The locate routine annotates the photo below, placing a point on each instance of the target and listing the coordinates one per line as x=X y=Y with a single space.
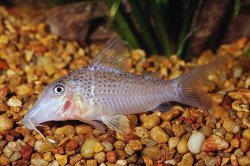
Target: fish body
x=104 y=92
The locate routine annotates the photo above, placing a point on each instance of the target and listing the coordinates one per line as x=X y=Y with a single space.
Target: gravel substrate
x=31 y=58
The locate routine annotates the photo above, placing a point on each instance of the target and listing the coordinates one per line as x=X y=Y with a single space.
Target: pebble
x=65 y=130
x=83 y=129
x=230 y=126
x=148 y=161
x=210 y=161
x=148 y=141
x=135 y=145
x=169 y=115
x=111 y=156
x=43 y=146
x=15 y=156
x=121 y=154
x=98 y=147
x=23 y=90
x=107 y=146
x=244 y=161
x=225 y=161
x=88 y=147
x=195 y=142
x=187 y=160
x=71 y=145
x=246 y=134
x=132 y=159
x=159 y=135
x=4 y=160
x=100 y=157
x=129 y=150
x=119 y=144
x=153 y=152
x=235 y=143
x=5 y=123
x=26 y=152
x=171 y=162
x=62 y=159
x=54 y=163
x=14 y=102
x=7 y=151
x=141 y=132
x=74 y=159
x=178 y=130
x=214 y=143
x=244 y=145
x=40 y=162
x=91 y=163
x=172 y=142
x=48 y=156
x=234 y=160
x=121 y=162
x=150 y=121
x=206 y=130
x=182 y=146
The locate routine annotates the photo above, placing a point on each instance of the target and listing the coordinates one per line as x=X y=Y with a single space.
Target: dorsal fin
x=111 y=56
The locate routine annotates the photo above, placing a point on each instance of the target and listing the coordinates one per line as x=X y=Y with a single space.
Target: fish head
x=52 y=105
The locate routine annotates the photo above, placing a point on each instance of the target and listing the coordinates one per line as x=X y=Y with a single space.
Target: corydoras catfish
x=104 y=92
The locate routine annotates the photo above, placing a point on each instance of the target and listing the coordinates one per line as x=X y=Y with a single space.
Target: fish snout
x=28 y=121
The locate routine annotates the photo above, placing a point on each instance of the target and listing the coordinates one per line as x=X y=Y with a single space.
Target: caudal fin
x=189 y=87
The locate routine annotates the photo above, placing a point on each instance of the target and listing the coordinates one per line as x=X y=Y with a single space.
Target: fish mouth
x=30 y=122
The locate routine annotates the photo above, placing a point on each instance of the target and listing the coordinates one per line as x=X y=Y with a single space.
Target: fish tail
x=189 y=88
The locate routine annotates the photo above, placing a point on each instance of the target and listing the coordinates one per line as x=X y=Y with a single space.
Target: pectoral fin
x=99 y=126
x=119 y=123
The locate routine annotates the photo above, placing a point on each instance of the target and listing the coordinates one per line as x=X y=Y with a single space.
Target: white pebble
x=121 y=162
x=172 y=162
x=195 y=142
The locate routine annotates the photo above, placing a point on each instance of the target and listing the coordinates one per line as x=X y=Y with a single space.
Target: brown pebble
x=91 y=163
x=153 y=152
x=74 y=159
x=246 y=134
x=83 y=129
x=121 y=154
x=135 y=144
x=169 y=115
x=119 y=144
x=182 y=146
x=244 y=145
x=4 y=160
x=244 y=161
x=100 y=157
x=26 y=152
x=159 y=135
x=72 y=145
x=111 y=156
x=187 y=160
x=178 y=130
x=150 y=121
x=170 y=153
x=214 y=143
x=206 y=130
x=5 y=123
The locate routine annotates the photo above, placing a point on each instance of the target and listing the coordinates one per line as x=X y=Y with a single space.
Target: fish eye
x=58 y=89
